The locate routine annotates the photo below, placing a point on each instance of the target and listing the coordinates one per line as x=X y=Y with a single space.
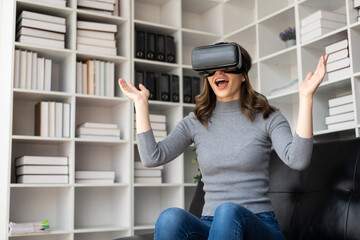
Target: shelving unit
x=108 y=211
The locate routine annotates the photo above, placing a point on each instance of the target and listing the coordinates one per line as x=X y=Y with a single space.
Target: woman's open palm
x=132 y=92
x=312 y=81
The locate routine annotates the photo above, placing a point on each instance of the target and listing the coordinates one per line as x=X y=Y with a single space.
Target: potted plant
x=288 y=36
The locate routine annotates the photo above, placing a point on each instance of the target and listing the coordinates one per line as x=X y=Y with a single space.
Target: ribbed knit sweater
x=233 y=153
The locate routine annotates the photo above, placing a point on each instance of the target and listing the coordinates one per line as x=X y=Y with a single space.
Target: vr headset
x=206 y=60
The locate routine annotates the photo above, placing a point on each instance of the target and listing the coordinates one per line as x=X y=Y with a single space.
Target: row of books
x=93 y=130
x=96 y=37
x=143 y=174
x=341 y=113
x=357 y=7
x=29 y=227
x=106 y=7
x=158 y=126
x=338 y=63
x=95 y=77
x=191 y=88
x=42 y=169
x=153 y=46
x=92 y=177
x=41 y=29
x=31 y=71
x=319 y=23
x=52 y=119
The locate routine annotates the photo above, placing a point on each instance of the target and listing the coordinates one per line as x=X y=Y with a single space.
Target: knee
x=170 y=217
x=230 y=209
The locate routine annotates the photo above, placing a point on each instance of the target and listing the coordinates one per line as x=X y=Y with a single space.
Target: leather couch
x=320 y=202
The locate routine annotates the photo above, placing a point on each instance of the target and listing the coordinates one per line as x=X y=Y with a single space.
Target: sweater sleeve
x=154 y=153
x=294 y=151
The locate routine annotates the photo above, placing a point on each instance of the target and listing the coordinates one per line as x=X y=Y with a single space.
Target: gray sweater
x=233 y=153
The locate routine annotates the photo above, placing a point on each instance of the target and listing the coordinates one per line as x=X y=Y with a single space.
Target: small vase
x=291 y=42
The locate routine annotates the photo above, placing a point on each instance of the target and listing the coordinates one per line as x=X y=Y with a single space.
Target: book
x=99 y=131
x=140 y=165
x=104 y=27
x=95 y=34
x=40 y=34
x=41 y=17
x=49 y=179
x=322 y=14
x=321 y=23
x=58 y=119
x=96 y=49
x=42 y=119
x=23 y=72
x=110 y=86
x=40 y=73
x=94 y=181
x=157 y=118
x=343 y=117
x=84 y=78
x=79 y=77
x=336 y=46
x=97 y=77
x=41 y=41
x=148 y=180
x=103 y=12
x=96 y=42
x=102 y=78
x=34 y=71
x=94 y=174
x=336 y=65
x=41 y=160
x=29 y=227
x=28 y=69
x=96 y=5
x=98 y=125
x=58 y=3
x=341 y=109
x=66 y=128
x=147 y=173
x=339 y=74
x=342 y=125
x=26 y=169
x=54 y=27
x=333 y=102
x=52 y=119
x=315 y=33
x=344 y=53
x=90 y=76
x=47 y=74
x=17 y=68
x=156 y=125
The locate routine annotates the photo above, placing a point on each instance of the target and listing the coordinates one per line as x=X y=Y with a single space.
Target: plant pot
x=291 y=42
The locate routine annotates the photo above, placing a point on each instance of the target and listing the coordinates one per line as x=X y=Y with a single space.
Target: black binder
x=195 y=88
x=139 y=44
x=151 y=84
x=160 y=47
x=187 y=89
x=170 y=49
x=139 y=78
x=174 y=88
x=150 y=46
x=163 y=87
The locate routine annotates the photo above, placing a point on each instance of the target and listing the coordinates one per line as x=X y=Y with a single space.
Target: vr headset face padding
x=217 y=57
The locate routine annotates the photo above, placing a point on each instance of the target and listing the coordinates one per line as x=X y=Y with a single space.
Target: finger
x=309 y=75
x=142 y=87
x=123 y=85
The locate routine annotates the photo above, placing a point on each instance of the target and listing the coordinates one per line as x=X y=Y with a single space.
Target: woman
x=233 y=128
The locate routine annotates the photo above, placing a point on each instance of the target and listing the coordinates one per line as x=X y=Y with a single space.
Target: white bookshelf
x=108 y=211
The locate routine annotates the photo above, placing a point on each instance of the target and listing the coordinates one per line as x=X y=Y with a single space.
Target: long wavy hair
x=251 y=101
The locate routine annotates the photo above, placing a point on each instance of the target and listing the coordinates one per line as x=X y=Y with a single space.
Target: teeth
x=220 y=80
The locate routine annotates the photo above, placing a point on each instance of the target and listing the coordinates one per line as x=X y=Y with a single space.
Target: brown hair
x=251 y=101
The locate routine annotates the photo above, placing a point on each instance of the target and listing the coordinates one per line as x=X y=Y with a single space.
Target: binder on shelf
x=187 y=89
x=163 y=83
x=195 y=88
x=150 y=83
x=139 y=78
x=170 y=49
x=174 y=89
x=160 y=47
x=150 y=46
x=139 y=44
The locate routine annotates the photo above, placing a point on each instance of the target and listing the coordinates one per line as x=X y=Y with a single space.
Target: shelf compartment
x=190 y=167
x=108 y=235
x=38 y=204
x=101 y=207
x=53 y=235
x=352 y=12
x=270 y=29
x=189 y=195
x=355 y=47
x=99 y=157
x=202 y=15
x=238 y=14
x=149 y=202
x=334 y=135
x=266 y=8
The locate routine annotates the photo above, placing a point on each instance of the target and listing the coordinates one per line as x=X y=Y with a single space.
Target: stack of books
x=338 y=63
x=319 y=23
x=52 y=119
x=285 y=88
x=106 y=7
x=94 y=177
x=95 y=77
x=143 y=174
x=158 y=125
x=41 y=29
x=357 y=7
x=42 y=169
x=56 y=3
x=93 y=37
x=31 y=71
x=93 y=130
x=29 y=227
x=341 y=113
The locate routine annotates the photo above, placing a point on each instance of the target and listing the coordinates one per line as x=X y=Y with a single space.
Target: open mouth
x=221 y=83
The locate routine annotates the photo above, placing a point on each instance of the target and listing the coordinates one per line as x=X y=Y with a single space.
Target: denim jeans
x=230 y=222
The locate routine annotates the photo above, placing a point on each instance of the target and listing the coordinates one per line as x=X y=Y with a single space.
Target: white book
x=147 y=173
x=337 y=55
x=58 y=119
x=28 y=70
x=96 y=49
x=40 y=34
x=96 y=42
x=57 y=3
x=84 y=78
x=321 y=23
x=140 y=165
x=157 y=118
x=97 y=77
x=66 y=120
x=158 y=126
x=51 y=119
x=322 y=14
x=94 y=174
x=341 y=109
x=40 y=73
x=342 y=125
x=339 y=64
x=356 y=3
x=339 y=74
x=49 y=179
x=78 y=77
x=17 y=68
x=41 y=41
x=34 y=72
x=108 y=13
x=41 y=17
x=160 y=133
x=336 y=46
x=99 y=137
x=333 y=102
x=96 y=34
x=99 y=125
x=315 y=33
x=339 y=118
x=23 y=71
x=42 y=119
x=104 y=27
x=107 y=80
x=54 y=27
x=26 y=169
x=148 y=180
x=96 y=5
x=90 y=76
x=97 y=131
x=94 y=181
x=111 y=85
x=102 y=79
x=47 y=74
x=41 y=160
x=106 y=1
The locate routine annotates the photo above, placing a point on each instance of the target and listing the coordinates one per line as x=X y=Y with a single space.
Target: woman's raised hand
x=132 y=92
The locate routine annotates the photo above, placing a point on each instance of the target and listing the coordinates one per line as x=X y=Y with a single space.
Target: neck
x=228 y=106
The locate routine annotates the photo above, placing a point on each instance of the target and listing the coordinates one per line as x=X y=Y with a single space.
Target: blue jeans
x=230 y=222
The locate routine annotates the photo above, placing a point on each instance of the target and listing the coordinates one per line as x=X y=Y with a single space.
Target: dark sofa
x=320 y=202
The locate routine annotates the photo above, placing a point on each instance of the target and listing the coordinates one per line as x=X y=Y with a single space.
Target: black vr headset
x=221 y=56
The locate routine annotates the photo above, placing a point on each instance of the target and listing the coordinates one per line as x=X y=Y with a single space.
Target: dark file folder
x=187 y=89
x=139 y=78
x=163 y=87
x=174 y=89
x=140 y=44
x=150 y=46
x=170 y=49
x=160 y=47
x=151 y=84
x=195 y=88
